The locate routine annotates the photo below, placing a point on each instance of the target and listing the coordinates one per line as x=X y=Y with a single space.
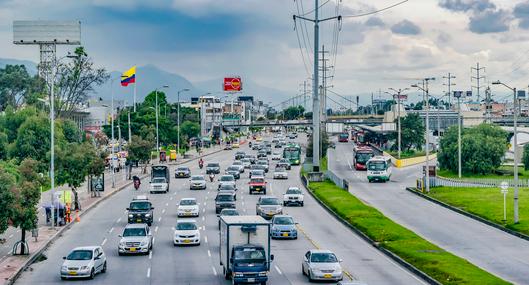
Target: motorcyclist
x=200 y=163
x=211 y=177
x=136 y=181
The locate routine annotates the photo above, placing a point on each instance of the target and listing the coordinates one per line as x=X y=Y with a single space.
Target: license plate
x=187 y=241
x=188 y=214
x=181 y=174
x=138 y=220
x=327 y=275
x=257 y=189
x=72 y=273
x=285 y=234
x=251 y=279
x=132 y=249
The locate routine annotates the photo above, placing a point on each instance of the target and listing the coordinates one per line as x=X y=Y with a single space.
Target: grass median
x=487 y=203
x=427 y=257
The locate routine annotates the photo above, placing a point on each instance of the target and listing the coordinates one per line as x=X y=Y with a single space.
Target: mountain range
x=150 y=77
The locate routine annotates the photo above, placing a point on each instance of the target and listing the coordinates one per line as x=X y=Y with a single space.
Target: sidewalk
x=11 y=266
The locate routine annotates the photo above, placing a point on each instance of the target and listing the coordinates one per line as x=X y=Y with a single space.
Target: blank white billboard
x=47 y=32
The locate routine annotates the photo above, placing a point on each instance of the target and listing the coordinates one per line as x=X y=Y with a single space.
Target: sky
x=258 y=39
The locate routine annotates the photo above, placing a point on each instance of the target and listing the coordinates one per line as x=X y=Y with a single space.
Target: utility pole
x=399 y=95
x=488 y=105
x=449 y=84
x=478 y=78
x=324 y=84
x=315 y=96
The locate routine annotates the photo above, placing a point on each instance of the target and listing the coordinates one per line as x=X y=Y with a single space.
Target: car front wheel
x=104 y=270
x=92 y=274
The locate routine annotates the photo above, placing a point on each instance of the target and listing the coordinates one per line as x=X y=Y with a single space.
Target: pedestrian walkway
x=10 y=265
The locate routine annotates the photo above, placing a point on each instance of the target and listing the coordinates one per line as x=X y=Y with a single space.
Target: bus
x=292 y=153
x=343 y=137
x=379 y=169
x=361 y=155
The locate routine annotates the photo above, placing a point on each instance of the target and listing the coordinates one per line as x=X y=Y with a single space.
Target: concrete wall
x=400 y=163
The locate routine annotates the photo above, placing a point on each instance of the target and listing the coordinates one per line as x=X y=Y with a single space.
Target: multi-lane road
x=493 y=250
x=200 y=264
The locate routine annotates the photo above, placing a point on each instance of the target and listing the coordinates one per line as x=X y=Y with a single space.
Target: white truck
x=245 y=249
x=160 y=179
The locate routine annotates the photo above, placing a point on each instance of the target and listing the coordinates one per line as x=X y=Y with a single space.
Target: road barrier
x=342 y=183
x=474 y=182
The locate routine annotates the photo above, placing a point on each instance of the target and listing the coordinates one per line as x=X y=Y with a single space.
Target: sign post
x=504 y=190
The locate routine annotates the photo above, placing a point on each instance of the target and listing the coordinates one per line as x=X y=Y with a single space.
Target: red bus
x=361 y=156
x=343 y=137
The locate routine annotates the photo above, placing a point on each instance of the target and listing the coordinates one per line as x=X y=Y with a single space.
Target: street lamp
x=157 y=133
x=425 y=89
x=178 y=119
x=515 y=147
x=399 y=131
x=203 y=115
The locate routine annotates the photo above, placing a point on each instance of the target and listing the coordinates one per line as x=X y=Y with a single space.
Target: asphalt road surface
x=493 y=250
x=200 y=264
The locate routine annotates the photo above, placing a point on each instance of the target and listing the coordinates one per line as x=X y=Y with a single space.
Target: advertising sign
x=521 y=94
x=232 y=84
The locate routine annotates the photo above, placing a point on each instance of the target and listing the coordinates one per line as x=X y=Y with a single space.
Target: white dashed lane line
x=163 y=211
x=206 y=239
x=119 y=220
x=156 y=229
x=214 y=271
x=111 y=229
x=150 y=254
x=149 y=272
x=104 y=241
x=209 y=253
x=278 y=271
x=159 y=219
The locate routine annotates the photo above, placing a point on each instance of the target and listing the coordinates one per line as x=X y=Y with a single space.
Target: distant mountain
x=31 y=67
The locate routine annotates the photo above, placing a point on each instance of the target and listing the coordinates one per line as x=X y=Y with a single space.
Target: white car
x=246 y=162
x=186 y=233
x=293 y=196
x=84 y=262
x=276 y=156
x=227 y=180
x=136 y=239
x=321 y=264
x=280 y=173
x=197 y=182
x=188 y=207
x=239 y=164
x=159 y=184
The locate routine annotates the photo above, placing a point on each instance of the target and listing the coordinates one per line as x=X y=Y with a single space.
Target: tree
x=293 y=112
x=71 y=131
x=324 y=140
x=17 y=87
x=189 y=130
x=412 y=132
x=139 y=150
x=75 y=81
x=33 y=139
x=27 y=196
x=7 y=182
x=482 y=149
x=525 y=158
x=3 y=145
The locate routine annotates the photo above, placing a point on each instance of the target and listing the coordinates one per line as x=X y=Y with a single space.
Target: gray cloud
x=489 y=21
x=467 y=5
x=406 y=27
x=521 y=12
x=444 y=38
x=375 y=22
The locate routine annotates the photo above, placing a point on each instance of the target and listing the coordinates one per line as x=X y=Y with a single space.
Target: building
x=99 y=113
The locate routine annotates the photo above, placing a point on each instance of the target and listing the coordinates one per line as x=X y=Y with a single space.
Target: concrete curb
x=388 y=253
x=58 y=234
x=470 y=215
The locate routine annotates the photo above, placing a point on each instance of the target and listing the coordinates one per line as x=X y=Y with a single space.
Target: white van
x=379 y=168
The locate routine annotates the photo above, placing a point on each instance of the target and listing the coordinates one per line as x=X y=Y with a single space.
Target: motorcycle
x=137 y=182
x=211 y=177
x=200 y=164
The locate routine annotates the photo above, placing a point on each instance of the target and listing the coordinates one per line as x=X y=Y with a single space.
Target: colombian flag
x=128 y=77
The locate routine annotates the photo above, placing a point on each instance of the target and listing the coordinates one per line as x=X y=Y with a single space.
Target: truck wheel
x=227 y=274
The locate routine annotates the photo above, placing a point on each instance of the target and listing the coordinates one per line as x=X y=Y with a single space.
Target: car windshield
x=257 y=180
x=227 y=187
x=80 y=255
x=246 y=160
x=183 y=169
x=377 y=166
x=229 y=212
x=269 y=201
x=293 y=191
x=262 y=162
x=140 y=206
x=233 y=168
x=188 y=202
x=158 y=180
x=249 y=254
x=225 y=178
x=224 y=198
x=283 y=221
x=134 y=232
x=213 y=165
x=238 y=162
x=197 y=178
x=363 y=156
x=323 y=257
x=186 y=226
x=280 y=169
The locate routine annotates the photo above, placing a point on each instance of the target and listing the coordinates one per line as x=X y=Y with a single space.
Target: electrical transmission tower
x=449 y=84
x=477 y=78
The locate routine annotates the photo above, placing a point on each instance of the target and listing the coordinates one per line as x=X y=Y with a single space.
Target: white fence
x=476 y=182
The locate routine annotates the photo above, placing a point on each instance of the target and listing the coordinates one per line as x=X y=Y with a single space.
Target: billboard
x=47 y=32
x=232 y=84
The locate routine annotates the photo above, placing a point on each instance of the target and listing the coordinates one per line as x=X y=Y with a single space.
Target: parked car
x=197 y=182
x=283 y=226
x=321 y=264
x=182 y=172
x=136 y=238
x=268 y=206
x=293 y=196
x=188 y=207
x=186 y=233
x=84 y=262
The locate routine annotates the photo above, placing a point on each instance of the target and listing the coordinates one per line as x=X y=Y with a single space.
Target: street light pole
x=156 y=109
x=459 y=136
x=112 y=126
x=399 y=131
x=178 y=120
x=52 y=141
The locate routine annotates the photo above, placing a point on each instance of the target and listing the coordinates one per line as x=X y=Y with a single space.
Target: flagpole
x=135 y=95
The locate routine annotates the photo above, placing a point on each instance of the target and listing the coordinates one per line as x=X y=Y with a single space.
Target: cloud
x=521 y=12
x=375 y=22
x=489 y=21
x=467 y=5
x=406 y=27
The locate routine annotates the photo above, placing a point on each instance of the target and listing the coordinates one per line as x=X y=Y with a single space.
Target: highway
x=200 y=264
x=493 y=250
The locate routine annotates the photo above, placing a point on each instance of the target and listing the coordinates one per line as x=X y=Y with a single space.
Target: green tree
x=33 y=139
x=3 y=145
x=189 y=130
x=17 y=87
x=412 y=132
x=140 y=150
x=7 y=182
x=71 y=131
x=293 y=112
x=27 y=196
x=482 y=149
x=525 y=158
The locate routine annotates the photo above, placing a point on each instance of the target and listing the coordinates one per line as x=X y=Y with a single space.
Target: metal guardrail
x=342 y=183
x=476 y=182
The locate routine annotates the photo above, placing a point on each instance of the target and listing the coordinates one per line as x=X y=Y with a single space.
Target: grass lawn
x=487 y=203
x=429 y=258
x=503 y=172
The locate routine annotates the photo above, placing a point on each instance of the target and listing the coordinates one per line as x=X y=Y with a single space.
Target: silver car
x=227 y=180
x=268 y=206
x=84 y=262
x=197 y=182
x=136 y=238
x=321 y=264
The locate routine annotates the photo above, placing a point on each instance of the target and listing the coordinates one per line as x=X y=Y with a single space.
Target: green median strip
x=425 y=256
x=487 y=203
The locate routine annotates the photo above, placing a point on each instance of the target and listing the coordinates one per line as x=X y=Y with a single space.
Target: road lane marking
x=203 y=218
x=150 y=254
x=205 y=204
x=278 y=271
x=111 y=229
x=349 y=163
x=242 y=203
x=104 y=241
x=203 y=210
x=171 y=198
x=153 y=239
x=163 y=211
x=156 y=229
x=209 y=253
x=10 y=236
x=149 y=272
x=214 y=271
x=166 y=204
x=159 y=219
x=206 y=239
x=119 y=220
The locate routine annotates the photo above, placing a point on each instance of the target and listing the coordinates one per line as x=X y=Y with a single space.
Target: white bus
x=379 y=168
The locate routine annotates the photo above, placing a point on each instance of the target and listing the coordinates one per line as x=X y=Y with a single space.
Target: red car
x=257 y=184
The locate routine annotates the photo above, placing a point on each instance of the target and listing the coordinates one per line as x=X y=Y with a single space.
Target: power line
x=306 y=30
x=312 y=11
x=377 y=11
x=303 y=32
x=302 y=53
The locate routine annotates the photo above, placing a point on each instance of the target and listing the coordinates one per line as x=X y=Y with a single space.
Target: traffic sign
x=504 y=185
